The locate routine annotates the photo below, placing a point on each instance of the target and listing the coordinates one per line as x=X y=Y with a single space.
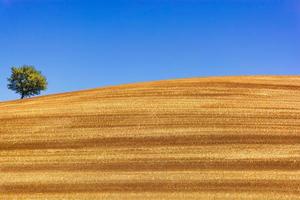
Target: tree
x=26 y=81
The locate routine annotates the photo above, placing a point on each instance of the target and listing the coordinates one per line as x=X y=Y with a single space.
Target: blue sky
x=80 y=44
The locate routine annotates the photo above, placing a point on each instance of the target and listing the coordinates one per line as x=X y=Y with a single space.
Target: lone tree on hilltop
x=26 y=81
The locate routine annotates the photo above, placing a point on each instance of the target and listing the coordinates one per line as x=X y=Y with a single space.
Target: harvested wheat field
x=199 y=138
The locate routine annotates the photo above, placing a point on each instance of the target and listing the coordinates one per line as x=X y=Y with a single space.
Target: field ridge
x=200 y=138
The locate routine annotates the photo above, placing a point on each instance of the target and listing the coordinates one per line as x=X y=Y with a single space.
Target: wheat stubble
x=200 y=138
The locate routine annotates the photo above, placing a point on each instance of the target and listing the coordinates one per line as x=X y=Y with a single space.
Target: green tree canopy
x=26 y=81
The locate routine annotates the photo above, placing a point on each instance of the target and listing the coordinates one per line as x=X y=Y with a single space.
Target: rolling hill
x=198 y=138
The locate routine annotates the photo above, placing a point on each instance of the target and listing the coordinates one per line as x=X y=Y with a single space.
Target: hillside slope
x=207 y=138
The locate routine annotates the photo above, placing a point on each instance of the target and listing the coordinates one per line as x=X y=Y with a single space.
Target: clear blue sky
x=80 y=44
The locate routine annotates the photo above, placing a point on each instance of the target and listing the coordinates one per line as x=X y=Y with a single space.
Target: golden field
x=199 y=138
